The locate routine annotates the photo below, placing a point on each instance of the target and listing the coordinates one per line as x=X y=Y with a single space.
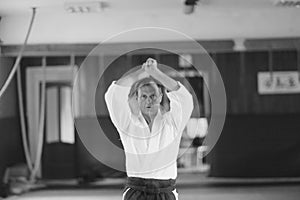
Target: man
x=149 y=120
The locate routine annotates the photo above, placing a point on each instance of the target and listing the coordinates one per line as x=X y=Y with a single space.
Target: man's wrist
x=154 y=72
x=143 y=74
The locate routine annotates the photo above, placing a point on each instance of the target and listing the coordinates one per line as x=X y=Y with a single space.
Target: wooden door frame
x=34 y=77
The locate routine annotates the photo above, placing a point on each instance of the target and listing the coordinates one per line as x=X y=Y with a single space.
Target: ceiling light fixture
x=85 y=7
x=288 y=3
x=189 y=6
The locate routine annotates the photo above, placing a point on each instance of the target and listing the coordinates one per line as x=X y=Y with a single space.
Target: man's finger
x=144 y=65
x=151 y=61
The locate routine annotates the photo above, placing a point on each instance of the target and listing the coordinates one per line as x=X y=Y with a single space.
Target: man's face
x=149 y=98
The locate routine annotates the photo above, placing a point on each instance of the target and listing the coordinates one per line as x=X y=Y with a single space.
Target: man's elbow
x=189 y=103
x=106 y=96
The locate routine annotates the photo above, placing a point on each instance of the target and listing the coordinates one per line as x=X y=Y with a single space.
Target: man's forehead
x=148 y=89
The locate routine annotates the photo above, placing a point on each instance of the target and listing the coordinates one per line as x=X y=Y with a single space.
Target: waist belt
x=151 y=185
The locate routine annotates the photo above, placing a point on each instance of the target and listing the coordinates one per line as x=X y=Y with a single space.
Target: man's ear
x=160 y=99
x=160 y=96
x=136 y=95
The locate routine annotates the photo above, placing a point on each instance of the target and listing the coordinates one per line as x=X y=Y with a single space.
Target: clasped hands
x=150 y=66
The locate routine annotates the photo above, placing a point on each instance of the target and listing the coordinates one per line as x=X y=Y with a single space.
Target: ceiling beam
x=116 y=48
x=213 y=46
x=272 y=44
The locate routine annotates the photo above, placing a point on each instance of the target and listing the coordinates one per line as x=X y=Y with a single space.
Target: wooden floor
x=290 y=192
x=190 y=187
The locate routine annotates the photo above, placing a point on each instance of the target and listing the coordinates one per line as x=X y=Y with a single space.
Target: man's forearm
x=164 y=79
x=152 y=69
x=132 y=77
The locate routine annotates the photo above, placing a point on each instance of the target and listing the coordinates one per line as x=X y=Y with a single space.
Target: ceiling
x=212 y=19
x=13 y=7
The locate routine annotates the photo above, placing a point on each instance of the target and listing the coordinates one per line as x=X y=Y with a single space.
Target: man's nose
x=149 y=100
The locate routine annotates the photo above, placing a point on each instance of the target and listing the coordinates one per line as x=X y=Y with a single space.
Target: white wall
x=204 y=24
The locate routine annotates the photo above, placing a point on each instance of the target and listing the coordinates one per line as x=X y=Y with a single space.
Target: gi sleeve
x=181 y=106
x=116 y=98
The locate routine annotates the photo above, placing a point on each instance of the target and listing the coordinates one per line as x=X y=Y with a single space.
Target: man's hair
x=149 y=81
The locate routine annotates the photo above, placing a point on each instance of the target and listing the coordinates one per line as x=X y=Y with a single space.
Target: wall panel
x=11 y=150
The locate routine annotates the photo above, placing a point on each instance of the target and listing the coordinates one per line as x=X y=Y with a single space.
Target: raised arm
x=116 y=97
x=132 y=76
x=151 y=69
x=181 y=101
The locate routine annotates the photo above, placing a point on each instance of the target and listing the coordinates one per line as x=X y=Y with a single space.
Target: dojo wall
x=11 y=151
x=261 y=132
x=260 y=135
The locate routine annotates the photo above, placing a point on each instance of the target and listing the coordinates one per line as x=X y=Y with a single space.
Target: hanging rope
x=20 y=94
x=41 y=126
x=14 y=69
x=22 y=119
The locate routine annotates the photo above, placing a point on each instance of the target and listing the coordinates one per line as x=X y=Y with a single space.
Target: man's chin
x=149 y=110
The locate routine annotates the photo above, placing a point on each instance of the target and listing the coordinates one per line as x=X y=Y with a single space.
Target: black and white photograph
x=150 y=100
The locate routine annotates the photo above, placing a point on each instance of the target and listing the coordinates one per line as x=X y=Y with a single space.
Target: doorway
x=58 y=157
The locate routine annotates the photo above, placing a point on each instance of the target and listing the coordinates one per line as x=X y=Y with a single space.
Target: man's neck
x=149 y=117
